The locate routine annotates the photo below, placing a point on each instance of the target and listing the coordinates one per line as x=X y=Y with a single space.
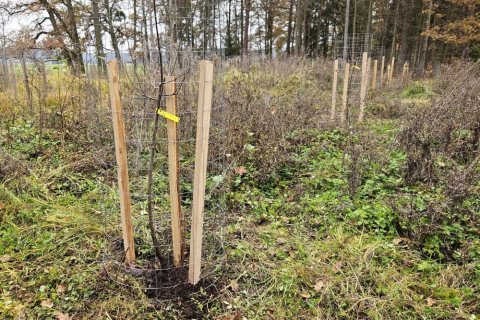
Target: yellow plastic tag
x=356 y=67
x=168 y=115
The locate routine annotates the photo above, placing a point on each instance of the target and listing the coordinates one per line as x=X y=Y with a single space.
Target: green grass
x=299 y=244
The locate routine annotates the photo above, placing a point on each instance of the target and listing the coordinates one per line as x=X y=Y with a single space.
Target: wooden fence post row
x=121 y=156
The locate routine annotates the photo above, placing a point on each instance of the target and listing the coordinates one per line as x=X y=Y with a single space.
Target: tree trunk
x=242 y=25
x=145 y=34
x=345 y=32
x=394 y=38
x=354 y=31
x=369 y=19
x=152 y=37
x=424 y=44
x=319 y=24
x=75 y=38
x=98 y=37
x=402 y=55
x=289 y=30
x=247 y=23
x=111 y=30
x=299 y=27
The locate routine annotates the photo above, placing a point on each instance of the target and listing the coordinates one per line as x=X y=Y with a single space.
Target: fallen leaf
x=5 y=258
x=305 y=174
x=337 y=267
x=407 y=263
x=241 y=171
x=280 y=240
x=306 y=295
x=47 y=303
x=2 y=205
x=271 y=311
x=441 y=164
x=63 y=316
x=319 y=285
x=285 y=219
x=61 y=288
x=238 y=316
x=400 y=240
x=234 y=285
x=430 y=301
x=272 y=253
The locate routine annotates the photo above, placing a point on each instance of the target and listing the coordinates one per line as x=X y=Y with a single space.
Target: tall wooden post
x=14 y=79
x=363 y=87
x=382 y=70
x=343 y=115
x=369 y=72
x=121 y=156
x=334 y=89
x=405 y=71
x=374 y=77
x=200 y=174
x=178 y=236
x=391 y=71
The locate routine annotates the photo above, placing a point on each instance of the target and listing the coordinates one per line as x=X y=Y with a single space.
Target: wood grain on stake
x=391 y=71
x=173 y=174
x=382 y=67
x=369 y=72
x=200 y=174
x=374 y=77
x=121 y=155
x=334 y=89
x=363 y=86
x=343 y=115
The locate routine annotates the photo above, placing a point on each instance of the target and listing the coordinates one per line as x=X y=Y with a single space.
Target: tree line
x=420 y=31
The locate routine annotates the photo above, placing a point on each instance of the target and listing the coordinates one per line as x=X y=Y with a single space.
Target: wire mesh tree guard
x=171 y=171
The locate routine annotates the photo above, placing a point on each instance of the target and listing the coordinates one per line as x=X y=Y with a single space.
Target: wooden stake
x=363 y=87
x=121 y=155
x=334 y=89
x=178 y=237
x=391 y=71
x=200 y=174
x=382 y=70
x=374 y=78
x=369 y=72
x=14 y=80
x=343 y=115
x=405 y=71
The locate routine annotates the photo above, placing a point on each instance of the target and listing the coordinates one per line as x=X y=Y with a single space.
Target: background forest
x=419 y=31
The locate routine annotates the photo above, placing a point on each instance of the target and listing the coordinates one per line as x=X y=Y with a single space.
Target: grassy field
x=326 y=226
